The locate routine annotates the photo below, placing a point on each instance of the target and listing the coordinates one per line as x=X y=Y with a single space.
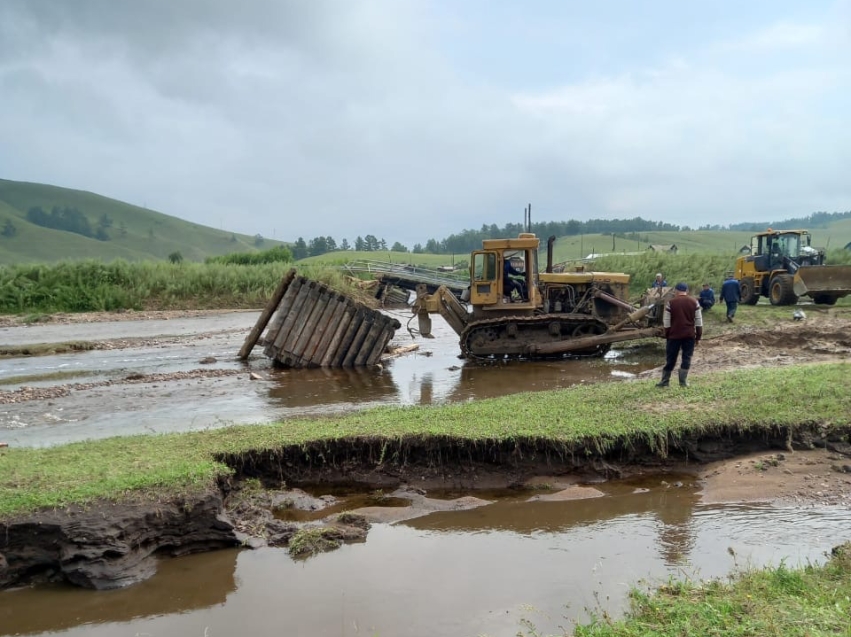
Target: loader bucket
x=817 y=280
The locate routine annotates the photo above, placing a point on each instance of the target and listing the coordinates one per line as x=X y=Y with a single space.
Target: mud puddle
x=471 y=572
x=106 y=404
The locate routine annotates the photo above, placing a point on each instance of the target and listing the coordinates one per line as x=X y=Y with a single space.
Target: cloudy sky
x=411 y=119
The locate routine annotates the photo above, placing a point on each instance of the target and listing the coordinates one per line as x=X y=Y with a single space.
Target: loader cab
x=771 y=247
x=489 y=289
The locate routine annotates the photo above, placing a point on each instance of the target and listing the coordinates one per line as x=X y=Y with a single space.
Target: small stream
x=466 y=573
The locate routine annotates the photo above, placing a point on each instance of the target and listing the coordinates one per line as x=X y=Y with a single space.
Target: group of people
x=682 y=321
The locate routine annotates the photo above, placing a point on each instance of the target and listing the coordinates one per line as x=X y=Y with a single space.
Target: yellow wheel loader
x=512 y=311
x=783 y=266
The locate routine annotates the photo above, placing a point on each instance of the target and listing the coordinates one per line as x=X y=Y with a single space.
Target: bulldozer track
x=487 y=339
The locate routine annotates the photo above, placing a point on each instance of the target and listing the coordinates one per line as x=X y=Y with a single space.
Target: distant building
x=848 y=246
x=672 y=248
x=745 y=249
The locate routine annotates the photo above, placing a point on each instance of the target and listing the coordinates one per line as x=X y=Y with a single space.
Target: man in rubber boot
x=683 y=323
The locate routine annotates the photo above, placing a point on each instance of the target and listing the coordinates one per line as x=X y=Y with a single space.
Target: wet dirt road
x=477 y=572
x=102 y=401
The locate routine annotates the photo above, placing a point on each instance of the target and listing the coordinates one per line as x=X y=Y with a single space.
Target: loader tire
x=750 y=296
x=824 y=299
x=780 y=290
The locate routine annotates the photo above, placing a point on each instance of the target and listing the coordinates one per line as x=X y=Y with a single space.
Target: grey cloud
x=342 y=118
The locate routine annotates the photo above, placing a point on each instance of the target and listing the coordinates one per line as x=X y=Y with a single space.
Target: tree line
x=70 y=219
x=469 y=240
x=814 y=220
x=302 y=249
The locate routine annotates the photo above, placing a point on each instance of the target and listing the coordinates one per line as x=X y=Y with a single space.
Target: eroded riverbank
x=460 y=562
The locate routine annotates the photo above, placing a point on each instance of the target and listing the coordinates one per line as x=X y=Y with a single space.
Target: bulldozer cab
x=505 y=272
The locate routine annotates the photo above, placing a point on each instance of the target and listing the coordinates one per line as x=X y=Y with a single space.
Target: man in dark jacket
x=731 y=293
x=706 y=298
x=683 y=323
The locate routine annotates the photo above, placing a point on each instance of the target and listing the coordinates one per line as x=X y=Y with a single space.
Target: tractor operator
x=509 y=283
x=683 y=323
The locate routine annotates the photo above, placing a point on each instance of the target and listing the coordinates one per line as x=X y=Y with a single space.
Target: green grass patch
x=812 y=601
x=578 y=420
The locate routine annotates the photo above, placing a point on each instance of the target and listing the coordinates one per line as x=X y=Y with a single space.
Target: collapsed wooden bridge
x=311 y=325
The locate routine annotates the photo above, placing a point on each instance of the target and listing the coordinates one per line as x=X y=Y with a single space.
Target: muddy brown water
x=432 y=375
x=478 y=572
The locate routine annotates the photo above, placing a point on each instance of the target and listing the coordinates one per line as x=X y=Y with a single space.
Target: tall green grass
x=272 y=255
x=93 y=286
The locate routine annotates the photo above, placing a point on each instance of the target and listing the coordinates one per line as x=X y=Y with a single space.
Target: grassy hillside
x=135 y=234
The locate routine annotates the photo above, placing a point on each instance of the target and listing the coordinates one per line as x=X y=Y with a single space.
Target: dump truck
x=538 y=315
x=783 y=266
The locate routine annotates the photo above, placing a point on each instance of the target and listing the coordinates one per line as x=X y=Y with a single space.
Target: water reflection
x=180 y=586
x=309 y=387
x=670 y=507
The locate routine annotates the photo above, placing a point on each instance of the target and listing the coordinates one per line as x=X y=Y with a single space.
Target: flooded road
x=465 y=573
x=433 y=375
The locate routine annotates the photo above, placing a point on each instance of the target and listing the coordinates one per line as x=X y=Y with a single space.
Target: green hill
x=134 y=233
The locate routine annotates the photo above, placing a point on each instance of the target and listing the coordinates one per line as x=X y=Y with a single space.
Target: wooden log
x=335 y=310
x=401 y=351
x=390 y=327
x=291 y=323
x=380 y=344
x=587 y=342
x=299 y=314
x=368 y=343
x=348 y=337
x=273 y=344
x=283 y=310
x=266 y=314
x=357 y=341
x=307 y=341
x=334 y=344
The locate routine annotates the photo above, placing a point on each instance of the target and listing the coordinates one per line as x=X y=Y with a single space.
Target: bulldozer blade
x=833 y=280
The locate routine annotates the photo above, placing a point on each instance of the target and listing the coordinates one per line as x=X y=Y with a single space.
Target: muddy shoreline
x=108 y=545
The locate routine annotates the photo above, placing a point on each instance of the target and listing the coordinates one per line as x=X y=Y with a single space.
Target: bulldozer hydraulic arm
x=442 y=302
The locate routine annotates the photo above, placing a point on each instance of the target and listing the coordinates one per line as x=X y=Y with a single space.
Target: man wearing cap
x=683 y=323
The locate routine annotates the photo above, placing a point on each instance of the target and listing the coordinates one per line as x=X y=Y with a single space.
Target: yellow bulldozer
x=510 y=310
x=783 y=266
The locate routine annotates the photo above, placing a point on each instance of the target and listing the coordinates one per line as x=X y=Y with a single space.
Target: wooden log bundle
x=314 y=326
